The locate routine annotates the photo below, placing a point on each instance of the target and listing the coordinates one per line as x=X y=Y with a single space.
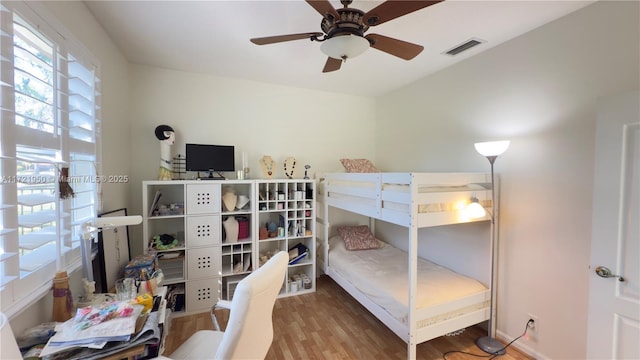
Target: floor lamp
x=491 y=150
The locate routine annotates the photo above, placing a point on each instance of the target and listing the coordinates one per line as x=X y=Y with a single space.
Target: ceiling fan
x=343 y=30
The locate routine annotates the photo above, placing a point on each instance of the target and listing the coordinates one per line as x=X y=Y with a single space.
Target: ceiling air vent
x=464 y=46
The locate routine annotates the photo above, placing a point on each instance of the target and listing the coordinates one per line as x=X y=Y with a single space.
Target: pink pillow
x=358 y=237
x=358 y=166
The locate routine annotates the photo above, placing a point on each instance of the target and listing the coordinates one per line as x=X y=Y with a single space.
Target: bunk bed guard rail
x=432 y=198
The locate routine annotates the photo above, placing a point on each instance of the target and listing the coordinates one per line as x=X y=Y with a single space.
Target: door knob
x=604 y=272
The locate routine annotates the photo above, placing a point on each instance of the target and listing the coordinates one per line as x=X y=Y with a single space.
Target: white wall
x=540 y=91
x=317 y=128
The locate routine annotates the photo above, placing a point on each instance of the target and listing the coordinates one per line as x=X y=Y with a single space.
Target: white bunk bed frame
x=411 y=200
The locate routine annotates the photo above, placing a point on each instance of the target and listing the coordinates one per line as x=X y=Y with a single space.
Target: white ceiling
x=212 y=37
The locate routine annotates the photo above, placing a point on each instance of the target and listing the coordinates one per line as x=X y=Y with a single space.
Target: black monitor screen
x=210 y=157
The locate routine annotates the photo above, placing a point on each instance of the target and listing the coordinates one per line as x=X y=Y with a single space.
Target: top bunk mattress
x=382 y=275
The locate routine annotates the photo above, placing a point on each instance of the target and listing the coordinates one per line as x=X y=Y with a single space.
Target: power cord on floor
x=495 y=354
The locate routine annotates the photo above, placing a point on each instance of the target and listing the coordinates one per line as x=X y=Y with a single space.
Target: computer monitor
x=210 y=158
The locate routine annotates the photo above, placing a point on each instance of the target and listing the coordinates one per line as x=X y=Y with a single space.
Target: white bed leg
x=411 y=350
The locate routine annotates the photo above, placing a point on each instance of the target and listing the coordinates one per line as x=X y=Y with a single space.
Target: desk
x=147 y=351
x=129 y=354
x=147 y=342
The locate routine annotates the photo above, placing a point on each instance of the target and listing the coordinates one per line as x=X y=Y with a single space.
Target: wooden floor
x=330 y=324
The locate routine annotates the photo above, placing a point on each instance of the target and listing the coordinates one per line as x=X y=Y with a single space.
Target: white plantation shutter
x=50 y=120
x=82 y=142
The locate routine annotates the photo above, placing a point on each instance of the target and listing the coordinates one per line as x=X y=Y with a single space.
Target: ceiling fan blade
x=332 y=64
x=402 y=49
x=281 y=38
x=392 y=9
x=324 y=7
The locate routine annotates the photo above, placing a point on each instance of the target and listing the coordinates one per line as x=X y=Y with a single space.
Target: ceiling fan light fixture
x=344 y=46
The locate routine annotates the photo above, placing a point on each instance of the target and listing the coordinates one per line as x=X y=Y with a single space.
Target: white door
x=614 y=302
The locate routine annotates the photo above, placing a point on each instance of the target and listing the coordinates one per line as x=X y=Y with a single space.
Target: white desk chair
x=8 y=345
x=249 y=332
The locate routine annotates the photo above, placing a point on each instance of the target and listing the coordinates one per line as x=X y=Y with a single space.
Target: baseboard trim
x=522 y=347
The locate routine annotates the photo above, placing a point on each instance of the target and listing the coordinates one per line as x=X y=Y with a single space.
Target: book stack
x=297 y=253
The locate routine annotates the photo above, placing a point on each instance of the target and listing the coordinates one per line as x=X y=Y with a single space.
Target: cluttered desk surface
x=111 y=330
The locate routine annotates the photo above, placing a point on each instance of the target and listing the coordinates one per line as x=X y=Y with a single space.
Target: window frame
x=25 y=289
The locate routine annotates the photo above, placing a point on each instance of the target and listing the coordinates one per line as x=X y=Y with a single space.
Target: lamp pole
x=488 y=343
x=494 y=248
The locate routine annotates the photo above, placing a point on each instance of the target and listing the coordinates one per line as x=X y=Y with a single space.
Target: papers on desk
x=101 y=339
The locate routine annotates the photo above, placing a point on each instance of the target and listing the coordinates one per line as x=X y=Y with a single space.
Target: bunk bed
x=414 y=311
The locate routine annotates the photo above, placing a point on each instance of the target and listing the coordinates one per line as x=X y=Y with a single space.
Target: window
x=49 y=109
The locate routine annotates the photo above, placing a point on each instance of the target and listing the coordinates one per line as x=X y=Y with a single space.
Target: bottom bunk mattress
x=382 y=275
